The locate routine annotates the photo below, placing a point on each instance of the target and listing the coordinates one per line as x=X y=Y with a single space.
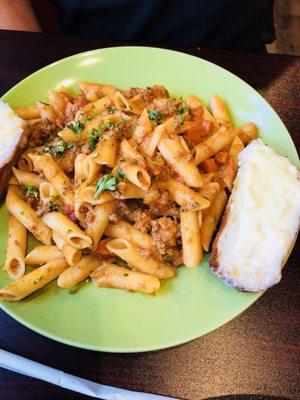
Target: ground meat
x=85 y=149
x=174 y=256
x=164 y=206
x=123 y=211
x=142 y=220
x=73 y=107
x=67 y=160
x=32 y=201
x=145 y=94
x=41 y=133
x=159 y=91
x=70 y=212
x=164 y=232
x=166 y=172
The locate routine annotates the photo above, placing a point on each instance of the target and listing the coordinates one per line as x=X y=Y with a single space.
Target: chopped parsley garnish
x=77 y=127
x=120 y=175
x=30 y=190
x=22 y=213
x=107 y=182
x=155 y=115
x=125 y=274
x=94 y=136
x=69 y=231
x=111 y=110
x=180 y=109
x=58 y=148
x=119 y=261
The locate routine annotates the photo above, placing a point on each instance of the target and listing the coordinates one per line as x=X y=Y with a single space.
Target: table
x=257 y=353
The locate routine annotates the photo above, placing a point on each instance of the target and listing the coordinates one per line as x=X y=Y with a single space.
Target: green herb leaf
x=58 y=148
x=125 y=274
x=30 y=190
x=180 y=109
x=94 y=136
x=120 y=175
x=107 y=182
x=77 y=127
x=69 y=231
x=155 y=115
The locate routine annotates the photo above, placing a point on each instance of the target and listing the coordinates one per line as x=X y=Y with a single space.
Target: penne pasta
x=180 y=160
x=214 y=144
x=123 y=230
x=27 y=112
x=90 y=169
x=25 y=214
x=16 y=249
x=25 y=163
x=191 y=239
x=132 y=254
x=94 y=91
x=27 y=178
x=113 y=276
x=33 y=281
x=127 y=190
x=232 y=163
x=185 y=197
x=98 y=224
x=55 y=175
x=87 y=194
x=212 y=218
x=77 y=273
x=219 y=111
x=247 y=132
x=71 y=254
x=47 y=192
x=68 y=230
x=43 y=254
x=106 y=151
x=136 y=175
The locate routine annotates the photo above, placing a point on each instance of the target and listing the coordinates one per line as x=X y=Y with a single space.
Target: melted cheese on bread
x=261 y=220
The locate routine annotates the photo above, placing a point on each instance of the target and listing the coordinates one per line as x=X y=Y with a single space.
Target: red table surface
x=255 y=354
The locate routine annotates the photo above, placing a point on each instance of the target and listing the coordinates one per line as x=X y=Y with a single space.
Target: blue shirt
x=226 y=24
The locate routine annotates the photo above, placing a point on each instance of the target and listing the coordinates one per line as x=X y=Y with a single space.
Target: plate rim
x=175 y=343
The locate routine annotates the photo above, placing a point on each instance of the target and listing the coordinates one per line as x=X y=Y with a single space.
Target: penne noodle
x=247 y=132
x=129 y=151
x=25 y=214
x=106 y=151
x=127 y=190
x=177 y=156
x=194 y=103
x=94 y=91
x=42 y=254
x=187 y=198
x=48 y=114
x=136 y=175
x=191 y=239
x=214 y=144
x=13 y=181
x=113 y=276
x=219 y=111
x=68 y=230
x=232 y=163
x=210 y=191
x=86 y=194
x=143 y=128
x=47 y=192
x=90 y=169
x=132 y=254
x=33 y=281
x=98 y=224
x=25 y=163
x=71 y=254
x=59 y=102
x=79 y=173
x=212 y=218
x=55 y=175
x=28 y=112
x=98 y=106
x=16 y=249
x=27 y=178
x=77 y=273
x=123 y=230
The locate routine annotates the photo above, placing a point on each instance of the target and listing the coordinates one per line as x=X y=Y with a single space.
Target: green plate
x=193 y=303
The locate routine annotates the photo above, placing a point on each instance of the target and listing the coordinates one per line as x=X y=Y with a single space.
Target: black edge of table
x=255 y=354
